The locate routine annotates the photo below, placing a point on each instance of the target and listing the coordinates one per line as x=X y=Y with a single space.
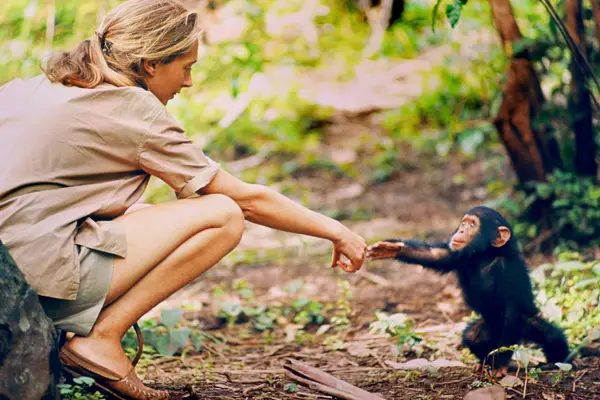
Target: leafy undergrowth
x=384 y=337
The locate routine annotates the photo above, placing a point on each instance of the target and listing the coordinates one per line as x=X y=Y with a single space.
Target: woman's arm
x=265 y=206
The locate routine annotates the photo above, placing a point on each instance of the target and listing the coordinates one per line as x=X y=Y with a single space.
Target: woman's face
x=166 y=80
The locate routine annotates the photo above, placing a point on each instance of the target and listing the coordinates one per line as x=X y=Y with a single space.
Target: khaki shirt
x=73 y=159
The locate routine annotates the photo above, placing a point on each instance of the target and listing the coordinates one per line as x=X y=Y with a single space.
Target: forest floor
x=423 y=199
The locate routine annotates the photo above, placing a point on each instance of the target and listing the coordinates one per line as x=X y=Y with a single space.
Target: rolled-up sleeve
x=167 y=153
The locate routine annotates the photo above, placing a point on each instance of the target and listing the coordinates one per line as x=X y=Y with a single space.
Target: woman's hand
x=381 y=250
x=353 y=247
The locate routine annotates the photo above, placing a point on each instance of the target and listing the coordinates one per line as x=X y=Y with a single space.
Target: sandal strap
x=138 y=332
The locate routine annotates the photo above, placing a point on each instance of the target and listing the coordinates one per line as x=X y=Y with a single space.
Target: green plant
x=563 y=370
x=479 y=384
x=397 y=326
x=81 y=389
x=308 y=312
x=574 y=210
x=290 y=387
x=343 y=310
x=453 y=11
x=168 y=337
x=568 y=293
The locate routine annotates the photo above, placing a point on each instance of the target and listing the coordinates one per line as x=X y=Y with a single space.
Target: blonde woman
x=78 y=145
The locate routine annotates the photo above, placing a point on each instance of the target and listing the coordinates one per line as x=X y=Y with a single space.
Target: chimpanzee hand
x=381 y=250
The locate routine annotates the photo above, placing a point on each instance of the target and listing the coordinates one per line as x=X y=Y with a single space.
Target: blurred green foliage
x=574 y=208
x=568 y=293
x=249 y=95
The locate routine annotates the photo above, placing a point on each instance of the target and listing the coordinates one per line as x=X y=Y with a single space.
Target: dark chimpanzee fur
x=496 y=284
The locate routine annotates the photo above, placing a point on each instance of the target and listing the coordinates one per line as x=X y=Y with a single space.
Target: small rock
x=488 y=393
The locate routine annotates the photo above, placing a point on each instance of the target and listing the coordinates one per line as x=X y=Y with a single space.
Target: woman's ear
x=502 y=236
x=149 y=67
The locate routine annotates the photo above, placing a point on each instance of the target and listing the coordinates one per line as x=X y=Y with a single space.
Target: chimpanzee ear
x=502 y=236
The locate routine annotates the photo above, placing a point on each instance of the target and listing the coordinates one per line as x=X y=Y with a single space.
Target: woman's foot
x=105 y=360
x=105 y=352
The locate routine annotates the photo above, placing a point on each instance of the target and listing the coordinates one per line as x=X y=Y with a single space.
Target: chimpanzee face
x=466 y=232
x=480 y=229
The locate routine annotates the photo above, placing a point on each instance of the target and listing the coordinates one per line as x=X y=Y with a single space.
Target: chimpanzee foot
x=499 y=372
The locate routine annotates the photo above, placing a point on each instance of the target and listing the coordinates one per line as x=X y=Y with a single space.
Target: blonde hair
x=134 y=31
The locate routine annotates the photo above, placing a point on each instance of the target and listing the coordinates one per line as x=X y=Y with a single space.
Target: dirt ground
x=423 y=199
x=420 y=201
x=248 y=366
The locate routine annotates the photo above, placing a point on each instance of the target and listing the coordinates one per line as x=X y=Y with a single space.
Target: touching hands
x=381 y=250
x=353 y=247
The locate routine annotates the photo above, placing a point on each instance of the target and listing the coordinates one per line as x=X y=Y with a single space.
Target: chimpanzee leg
x=547 y=335
x=481 y=340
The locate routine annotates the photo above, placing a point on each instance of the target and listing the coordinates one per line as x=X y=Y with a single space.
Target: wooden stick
x=324 y=382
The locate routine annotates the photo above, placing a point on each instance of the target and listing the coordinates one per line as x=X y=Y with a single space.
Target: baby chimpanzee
x=495 y=283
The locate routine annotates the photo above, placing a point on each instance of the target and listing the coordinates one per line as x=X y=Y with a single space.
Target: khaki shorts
x=79 y=315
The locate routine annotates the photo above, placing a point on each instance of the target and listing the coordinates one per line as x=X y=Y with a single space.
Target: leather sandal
x=128 y=387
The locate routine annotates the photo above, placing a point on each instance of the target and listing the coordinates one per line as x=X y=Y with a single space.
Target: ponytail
x=134 y=31
x=75 y=68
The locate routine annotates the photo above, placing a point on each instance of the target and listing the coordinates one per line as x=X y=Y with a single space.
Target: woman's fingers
x=335 y=258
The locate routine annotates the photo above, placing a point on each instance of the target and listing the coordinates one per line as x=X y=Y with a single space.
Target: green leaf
x=564 y=367
x=587 y=282
x=561 y=203
x=84 y=380
x=171 y=317
x=454 y=10
x=235 y=86
x=180 y=337
x=291 y=388
x=434 y=14
x=521 y=45
x=198 y=341
x=165 y=346
x=522 y=356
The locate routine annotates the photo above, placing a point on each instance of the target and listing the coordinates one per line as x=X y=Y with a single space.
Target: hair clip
x=104 y=45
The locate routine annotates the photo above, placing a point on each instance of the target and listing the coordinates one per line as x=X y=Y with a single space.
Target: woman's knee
x=227 y=213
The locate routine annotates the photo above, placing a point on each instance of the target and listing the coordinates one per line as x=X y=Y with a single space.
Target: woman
x=78 y=146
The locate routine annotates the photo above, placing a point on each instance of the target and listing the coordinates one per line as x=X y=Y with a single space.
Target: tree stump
x=29 y=365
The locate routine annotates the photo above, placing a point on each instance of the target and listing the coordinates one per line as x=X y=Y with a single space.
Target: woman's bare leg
x=168 y=245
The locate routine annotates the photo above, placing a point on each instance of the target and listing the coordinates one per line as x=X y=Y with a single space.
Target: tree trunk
x=580 y=106
x=533 y=152
x=29 y=366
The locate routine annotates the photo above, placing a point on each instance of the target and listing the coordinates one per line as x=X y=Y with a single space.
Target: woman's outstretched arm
x=265 y=206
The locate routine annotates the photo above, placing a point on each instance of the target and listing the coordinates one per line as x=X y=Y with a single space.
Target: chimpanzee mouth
x=457 y=243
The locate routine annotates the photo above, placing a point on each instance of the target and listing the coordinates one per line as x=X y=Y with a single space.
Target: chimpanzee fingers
x=393 y=246
x=500 y=372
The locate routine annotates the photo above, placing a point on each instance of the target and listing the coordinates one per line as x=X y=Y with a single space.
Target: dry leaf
x=511 y=381
x=422 y=364
x=358 y=349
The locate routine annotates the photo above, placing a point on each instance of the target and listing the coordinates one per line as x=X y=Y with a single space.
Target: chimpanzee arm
x=437 y=256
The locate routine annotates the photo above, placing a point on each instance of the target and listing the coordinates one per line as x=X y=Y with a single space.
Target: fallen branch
x=540 y=239
x=323 y=382
x=578 y=378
